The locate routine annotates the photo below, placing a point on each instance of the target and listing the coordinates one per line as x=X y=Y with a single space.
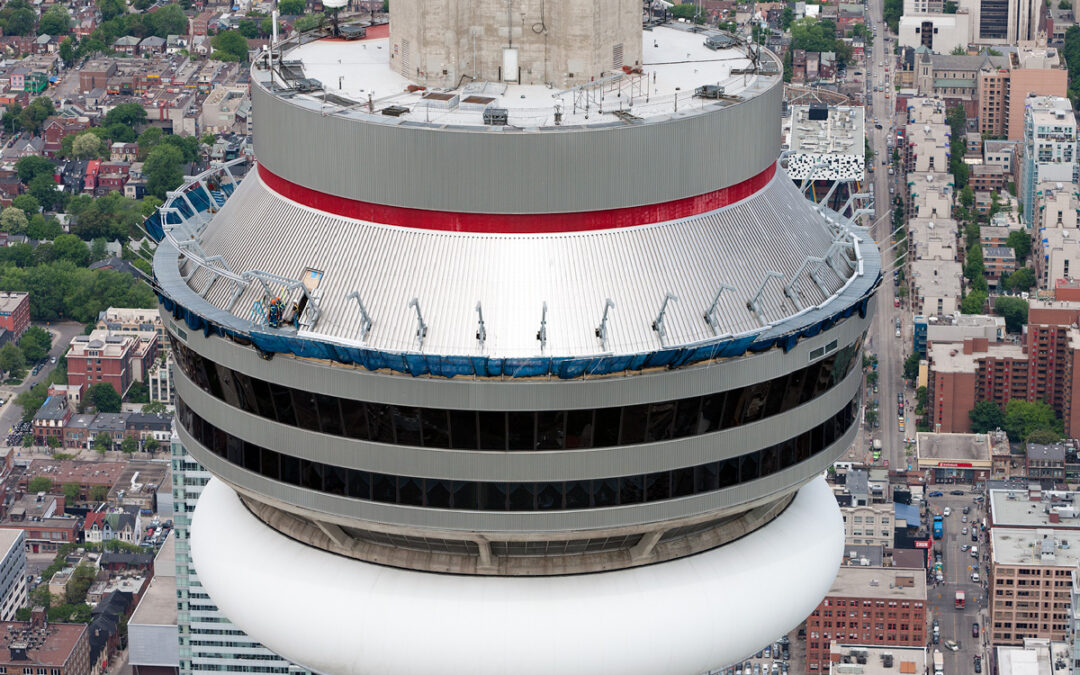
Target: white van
x=975 y=577
x=974 y=551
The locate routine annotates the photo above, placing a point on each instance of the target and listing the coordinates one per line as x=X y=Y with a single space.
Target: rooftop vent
x=709 y=91
x=496 y=117
x=394 y=110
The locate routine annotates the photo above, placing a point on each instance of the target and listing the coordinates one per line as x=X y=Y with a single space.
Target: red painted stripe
x=516 y=223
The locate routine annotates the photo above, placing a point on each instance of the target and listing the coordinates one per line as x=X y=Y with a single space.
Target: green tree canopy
x=1021 y=280
x=13 y=220
x=1023 y=417
x=1014 y=310
x=39 y=484
x=129 y=445
x=31 y=399
x=154 y=408
x=31 y=166
x=86 y=146
x=71 y=248
x=126 y=114
x=35 y=343
x=12 y=361
x=986 y=416
x=291 y=7
x=46 y=191
x=98 y=493
x=26 y=203
x=72 y=492
x=55 y=21
x=911 y=366
x=1043 y=437
x=103 y=397
x=229 y=45
x=67 y=51
x=103 y=442
x=973 y=303
x=1020 y=242
x=163 y=169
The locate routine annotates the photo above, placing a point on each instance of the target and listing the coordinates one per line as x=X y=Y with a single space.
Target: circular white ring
x=342 y=616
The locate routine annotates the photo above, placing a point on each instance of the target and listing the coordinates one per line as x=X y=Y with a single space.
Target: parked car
x=978 y=664
x=936 y=494
x=975 y=626
x=947 y=512
x=956 y=493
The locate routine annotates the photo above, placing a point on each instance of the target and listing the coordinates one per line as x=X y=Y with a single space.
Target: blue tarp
x=907 y=513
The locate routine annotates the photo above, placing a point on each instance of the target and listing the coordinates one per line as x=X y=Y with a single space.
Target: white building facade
x=13 y=594
x=1049 y=147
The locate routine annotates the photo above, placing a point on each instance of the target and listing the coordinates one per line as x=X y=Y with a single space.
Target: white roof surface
x=342 y=616
x=676 y=62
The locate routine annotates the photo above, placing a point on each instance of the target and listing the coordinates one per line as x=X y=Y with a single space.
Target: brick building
x=50 y=420
x=116 y=359
x=868 y=606
x=1045 y=366
x=15 y=312
x=42 y=647
x=1031 y=585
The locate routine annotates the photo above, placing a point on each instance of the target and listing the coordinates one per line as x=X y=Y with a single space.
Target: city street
x=957 y=624
x=882 y=339
x=61 y=337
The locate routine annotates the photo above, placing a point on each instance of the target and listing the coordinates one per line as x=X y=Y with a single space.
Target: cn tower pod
x=515 y=325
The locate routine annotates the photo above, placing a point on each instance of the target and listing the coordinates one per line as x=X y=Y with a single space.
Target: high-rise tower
x=518 y=351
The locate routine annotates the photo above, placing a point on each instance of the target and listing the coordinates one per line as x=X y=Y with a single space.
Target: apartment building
x=116 y=359
x=1031 y=583
x=1049 y=147
x=868 y=606
x=13 y=591
x=871 y=524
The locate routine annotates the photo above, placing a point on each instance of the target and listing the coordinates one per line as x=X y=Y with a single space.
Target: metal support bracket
x=602 y=329
x=481 y=331
x=421 y=327
x=658 y=323
x=541 y=334
x=712 y=314
x=365 y=318
x=753 y=303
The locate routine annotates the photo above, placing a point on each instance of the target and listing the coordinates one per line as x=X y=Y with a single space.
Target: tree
x=35 y=343
x=986 y=416
x=920 y=396
x=32 y=166
x=967 y=197
x=688 y=11
x=39 y=484
x=13 y=220
x=55 y=21
x=110 y=9
x=163 y=170
x=1064 y=4
x=98 y=493
x=229 y=45
x=28 y=439
x=1021 y=280
x=18 y=18
x=126 y=114
x=151 y=445
x=72 y=491
x=973 y=303
x=148 y=140
x=12 y=119
x=959 y=50
x=26 y=203
x=1020 y=242
x=35 y=114
x=167 y=20
x=86 y=146
x=70 y=247
x=1023 y=417
x=911 y=366
x=1015 y=311
x=31 y=399
x=102 y=443
x=154 y=408
x=129 y=445
x=786 y=17
x=12 y=360
x=67 y=51
x=103 y=397
x=42 y=228
x=291 y=7
x=1043 y=437
x=44 y=189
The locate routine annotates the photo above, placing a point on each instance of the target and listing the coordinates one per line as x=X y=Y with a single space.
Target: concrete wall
x=381 y=160
x=558 y=42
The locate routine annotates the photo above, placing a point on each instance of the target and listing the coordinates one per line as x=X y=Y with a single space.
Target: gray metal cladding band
x=482 y=170
x=495 y=394
x=505 y=465
x=346 y=511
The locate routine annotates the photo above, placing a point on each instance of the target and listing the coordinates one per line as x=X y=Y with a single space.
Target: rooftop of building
x=838 y=133
x=676 y=62
x=948 y=357
x=54 y=408
x=47 y=645
x=1038 y=656
x=8 y=540
x=71 y=471
x=937 y=278
x=879 y=582
x=890 y=660
x=9 y=300
x=158 y=604
x=103 y=342
x=1035 y=547
x=867 y=555
x=1048 y=452
x=130 y=315
x=969 y=447
x=1015 y=508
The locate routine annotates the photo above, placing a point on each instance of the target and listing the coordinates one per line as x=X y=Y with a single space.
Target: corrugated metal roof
x=513 y=275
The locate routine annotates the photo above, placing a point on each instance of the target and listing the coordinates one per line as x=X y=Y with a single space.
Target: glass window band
x=516 y=430
x=438 y=493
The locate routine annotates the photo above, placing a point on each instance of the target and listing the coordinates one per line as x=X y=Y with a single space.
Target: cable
x=543 y=26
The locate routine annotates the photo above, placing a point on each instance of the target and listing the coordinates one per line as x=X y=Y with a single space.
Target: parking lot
x=774 y=659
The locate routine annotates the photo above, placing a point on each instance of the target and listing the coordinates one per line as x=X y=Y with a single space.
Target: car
x=975 y=628
x=747 y=668
x=937 y=638
x=967 y=509
x=757 y=669
x=767 y=652
x=935 y=493
x=957 y=493
x=877 y=126
x=947 y=512
x=952 y=645
x=963 y=519
x=963 y=547
x=974 y=535
x=978 y=664
x=775 y=668
x=964 y=532
x=975 y=578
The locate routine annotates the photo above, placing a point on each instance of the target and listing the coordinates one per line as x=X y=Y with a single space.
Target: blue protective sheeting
x=419 y=364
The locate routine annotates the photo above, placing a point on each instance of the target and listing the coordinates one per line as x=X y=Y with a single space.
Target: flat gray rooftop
x=1012 y=508
x=879 y=582
x=158 y=604
x=973 y=447
x=1035 y=547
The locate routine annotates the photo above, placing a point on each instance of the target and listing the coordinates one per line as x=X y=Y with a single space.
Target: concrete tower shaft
x=562 y=43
